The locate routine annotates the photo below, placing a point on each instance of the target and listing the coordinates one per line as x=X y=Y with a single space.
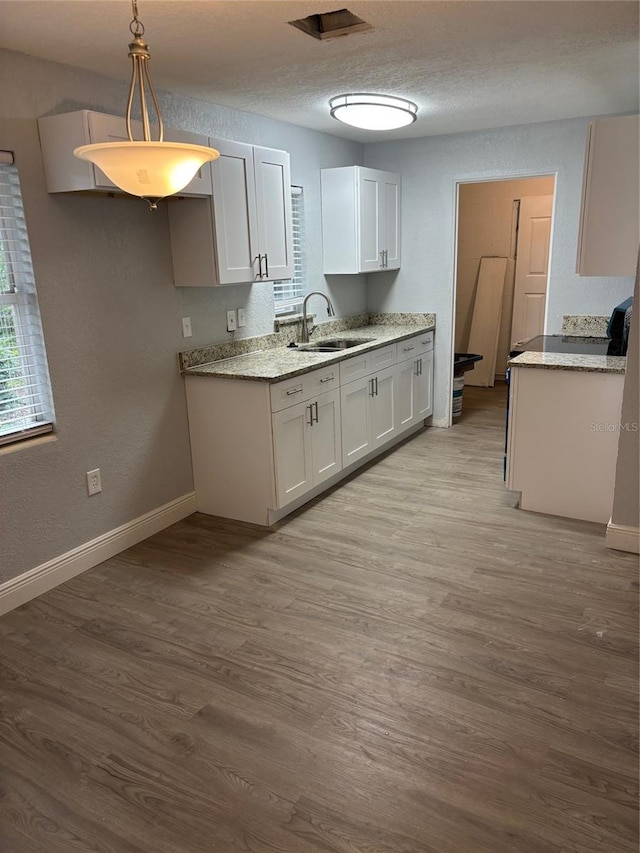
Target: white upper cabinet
x=360 y=220
x=64 y=172
x=609 y=223
x=242 y=233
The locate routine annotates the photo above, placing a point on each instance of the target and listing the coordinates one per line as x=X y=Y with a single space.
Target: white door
x=326 y=444
x=371 y=211
x=356 y=419
x=423 y=386
x=292 y=449
x=383 y=408
x=234 y=208
x=273 y=197
x=532 y=267
x=391 y=239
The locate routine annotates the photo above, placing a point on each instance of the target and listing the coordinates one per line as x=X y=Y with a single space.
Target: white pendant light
x=373 y=112
x=146 y=168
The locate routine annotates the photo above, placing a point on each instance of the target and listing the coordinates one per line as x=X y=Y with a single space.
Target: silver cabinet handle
x=266 y=265
x=328 y=378
x=407 y=349
x=382 y=259
x=386 y=257
x=315 y=404
x=418 y=367
x=258 y=258
x=371 y=392
x=376 y=381
x=425 y=342
x=294 y=391
x=310 y=421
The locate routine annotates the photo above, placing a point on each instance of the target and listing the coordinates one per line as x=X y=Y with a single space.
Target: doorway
x=508 y=219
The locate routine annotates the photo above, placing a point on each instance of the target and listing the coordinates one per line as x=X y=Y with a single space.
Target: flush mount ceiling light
x=150 y=169
x=373 y=112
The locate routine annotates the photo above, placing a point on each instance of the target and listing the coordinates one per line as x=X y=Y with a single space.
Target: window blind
x=288 y=295
x=25 y=395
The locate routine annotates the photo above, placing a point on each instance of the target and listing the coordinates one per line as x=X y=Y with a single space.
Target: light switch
x=186 y=327
x=232 y=324
x=242 y=319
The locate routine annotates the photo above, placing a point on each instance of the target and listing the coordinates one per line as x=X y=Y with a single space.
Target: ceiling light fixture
x=150 y=169
x=373 y=112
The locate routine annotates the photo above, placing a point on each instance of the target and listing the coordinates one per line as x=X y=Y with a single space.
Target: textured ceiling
x=468 y=64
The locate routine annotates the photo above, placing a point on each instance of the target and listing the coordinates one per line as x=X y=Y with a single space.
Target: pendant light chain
x=139 y=54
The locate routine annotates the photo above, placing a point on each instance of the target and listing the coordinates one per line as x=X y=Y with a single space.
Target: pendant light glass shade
x=148 y=169
x=151 y=169
x=373 y=112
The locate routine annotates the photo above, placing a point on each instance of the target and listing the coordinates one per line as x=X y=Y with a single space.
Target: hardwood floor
x=408 y=665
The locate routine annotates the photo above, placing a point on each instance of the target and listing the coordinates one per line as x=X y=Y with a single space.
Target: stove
x=563 y=343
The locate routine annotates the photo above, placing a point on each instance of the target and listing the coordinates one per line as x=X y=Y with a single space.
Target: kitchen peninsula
x=564 y=424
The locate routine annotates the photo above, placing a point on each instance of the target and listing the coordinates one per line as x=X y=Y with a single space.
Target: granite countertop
x=276 y=364
x=571 y=361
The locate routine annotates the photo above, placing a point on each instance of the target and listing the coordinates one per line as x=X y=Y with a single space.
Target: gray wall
x=430 y=168
x=111 y=319
x=626 y=499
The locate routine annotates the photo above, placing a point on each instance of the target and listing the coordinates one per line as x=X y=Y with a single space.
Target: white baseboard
x=42 y=578
x=623 y=538
x=441 y=423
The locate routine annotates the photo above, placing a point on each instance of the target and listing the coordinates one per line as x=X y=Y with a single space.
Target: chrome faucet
x=304 y=337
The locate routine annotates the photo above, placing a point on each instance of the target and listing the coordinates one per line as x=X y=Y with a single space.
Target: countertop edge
x=570 y=361
x=323 y=359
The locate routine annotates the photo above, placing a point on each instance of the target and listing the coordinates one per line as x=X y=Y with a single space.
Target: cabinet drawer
x=322 y=380
x=355 y=367
x=288 y=393
x=381 y=358
x=415 y=346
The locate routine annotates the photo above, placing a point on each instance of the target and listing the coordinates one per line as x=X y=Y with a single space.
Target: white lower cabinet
x=259 y=450
x=307 y=445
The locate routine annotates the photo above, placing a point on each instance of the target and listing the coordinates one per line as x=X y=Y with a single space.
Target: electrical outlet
x=186 y=327
x=242 y=318
x=94 y=483
x=232 y=323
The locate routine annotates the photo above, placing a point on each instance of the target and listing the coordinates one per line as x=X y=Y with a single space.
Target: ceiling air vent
x=330 y=25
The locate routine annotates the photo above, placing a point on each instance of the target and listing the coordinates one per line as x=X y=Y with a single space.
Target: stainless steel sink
x=333 y=345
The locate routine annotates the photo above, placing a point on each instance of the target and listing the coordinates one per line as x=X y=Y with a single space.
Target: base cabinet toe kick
x=260 y=450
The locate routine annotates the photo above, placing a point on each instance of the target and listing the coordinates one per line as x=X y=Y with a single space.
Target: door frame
x=484 y=178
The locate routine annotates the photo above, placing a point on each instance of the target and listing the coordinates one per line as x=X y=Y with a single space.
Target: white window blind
x=288 y=295
x=25 y=395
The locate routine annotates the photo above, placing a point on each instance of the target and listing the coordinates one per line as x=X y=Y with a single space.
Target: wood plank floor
x=410 y=664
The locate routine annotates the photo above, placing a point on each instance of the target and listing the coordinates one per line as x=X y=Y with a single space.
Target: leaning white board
x=485 y=323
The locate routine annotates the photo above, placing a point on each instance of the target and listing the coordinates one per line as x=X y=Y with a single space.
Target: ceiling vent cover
x=330 y=25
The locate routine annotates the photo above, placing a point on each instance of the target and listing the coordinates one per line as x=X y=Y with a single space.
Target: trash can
x=462 y=361
x=458 y=387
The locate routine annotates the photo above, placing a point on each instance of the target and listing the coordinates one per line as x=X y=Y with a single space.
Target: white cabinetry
x=361 y=210
x=242 y=233
x=368 y=402
x=306 y=436
x=414 y=380
x=609 y=223
x=64 y=172
x=563 y=440
x=259 y=450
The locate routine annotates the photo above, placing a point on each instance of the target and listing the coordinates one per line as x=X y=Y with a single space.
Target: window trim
x=21 y=295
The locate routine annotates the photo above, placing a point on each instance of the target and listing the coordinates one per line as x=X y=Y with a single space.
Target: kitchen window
x=288 y=295
x=26 y=407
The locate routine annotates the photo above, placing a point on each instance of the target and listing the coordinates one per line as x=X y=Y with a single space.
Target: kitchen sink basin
x=333 y=345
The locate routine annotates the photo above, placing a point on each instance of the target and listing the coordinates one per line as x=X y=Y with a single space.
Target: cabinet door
x=234 y=210
x=383 y=406
x=423 y=386
x=608 y=239
x=292 y=452
x=371 y=212
x=273 y=198
x=356 y=420
x=405 y=405
x=392 y=217
x=326 y=444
